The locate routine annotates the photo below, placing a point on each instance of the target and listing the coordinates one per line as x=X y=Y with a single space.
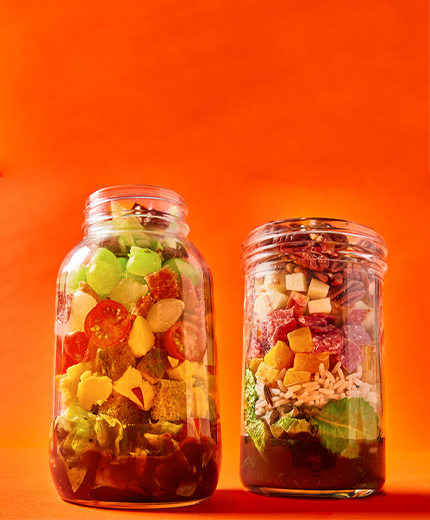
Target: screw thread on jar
x=134 y=206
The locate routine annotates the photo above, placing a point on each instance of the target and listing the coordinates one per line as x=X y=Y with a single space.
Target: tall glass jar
x=313 y=421
x=135 y=420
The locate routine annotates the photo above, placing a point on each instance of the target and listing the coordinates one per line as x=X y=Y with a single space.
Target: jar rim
x=131 y=191
x=166 y=203
x=262 y=238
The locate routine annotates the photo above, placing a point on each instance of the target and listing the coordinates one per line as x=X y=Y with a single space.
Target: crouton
x=115 y=360
x=144 y=303
x=170 y=403
x=123 y=409
x=163 y=284
x=153 y=365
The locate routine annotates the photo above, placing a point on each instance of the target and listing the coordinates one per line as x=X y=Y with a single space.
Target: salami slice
x=255 y=349
x=356 y=316
x=280 y=323
x=356 y=333
x=351 y=356
x=318 y=323
x=331 y=341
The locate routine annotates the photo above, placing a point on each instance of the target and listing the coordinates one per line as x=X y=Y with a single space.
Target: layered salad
x=312 y=403
x=135 y=416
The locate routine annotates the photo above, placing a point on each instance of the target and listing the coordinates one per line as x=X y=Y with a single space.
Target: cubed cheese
x=275 y=281
x=296 y=282
x=319 y=306
x=141 y=338
x=317 y=289
x=93 y=390
x=132 y=380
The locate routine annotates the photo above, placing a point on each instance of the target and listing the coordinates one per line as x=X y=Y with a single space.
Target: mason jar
x=313 y=414
x=135 y=420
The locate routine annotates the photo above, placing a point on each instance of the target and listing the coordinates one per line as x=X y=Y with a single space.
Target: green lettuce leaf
x=251 y=397
x=109 y=432
x=342 y=423
x=256 y=428
x=290 y=425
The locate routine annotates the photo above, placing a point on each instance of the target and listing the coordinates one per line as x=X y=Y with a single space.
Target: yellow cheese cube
x=93 y=390
x=317 y=289
x=275 y=281
x=322 y=306
x=141 y=338
x=296 y=282
x=301 y=340
x=280 y=356
x=311 y=362
x=266 y=374
x=183 y=372
x=296 y=377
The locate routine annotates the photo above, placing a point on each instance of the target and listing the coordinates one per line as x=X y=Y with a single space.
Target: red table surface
x=27 y=492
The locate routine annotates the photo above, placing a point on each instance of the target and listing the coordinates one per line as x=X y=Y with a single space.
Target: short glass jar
x=135 y=420
x=313 y=421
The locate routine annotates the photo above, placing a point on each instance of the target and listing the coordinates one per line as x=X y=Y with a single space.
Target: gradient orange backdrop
x=252 y=111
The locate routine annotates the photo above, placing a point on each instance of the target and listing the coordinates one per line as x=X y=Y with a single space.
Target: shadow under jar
x=313 y=420
x=135 y=420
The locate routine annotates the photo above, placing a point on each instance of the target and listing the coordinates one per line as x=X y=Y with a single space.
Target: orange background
x=252 y=111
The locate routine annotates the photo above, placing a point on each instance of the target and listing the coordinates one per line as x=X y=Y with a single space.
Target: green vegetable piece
x=251 y=397
x=104 y=271
x=143 y=261
x=256 y=428
x=80 y=425
x=104 y=255
x=74 y=277
x=342 y=423
x=109 y=432
x=290 y=425
x=183 y=268
x=257 y=431
x=123 y=261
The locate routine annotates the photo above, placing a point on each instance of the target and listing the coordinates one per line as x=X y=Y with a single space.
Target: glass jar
x=135 y=420
x=313 y=420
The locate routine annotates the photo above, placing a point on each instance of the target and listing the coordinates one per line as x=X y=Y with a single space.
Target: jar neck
x=134 y=207
x=322 y=239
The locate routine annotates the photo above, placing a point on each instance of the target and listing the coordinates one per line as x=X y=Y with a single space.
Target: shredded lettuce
x=255 y=428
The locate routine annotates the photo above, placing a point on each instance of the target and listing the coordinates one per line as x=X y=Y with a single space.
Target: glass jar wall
x=135 y=420
x=313 y=420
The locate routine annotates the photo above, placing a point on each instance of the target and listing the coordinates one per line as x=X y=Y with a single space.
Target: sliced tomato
x=76 y=346
x=107 y=323
x=185 y=341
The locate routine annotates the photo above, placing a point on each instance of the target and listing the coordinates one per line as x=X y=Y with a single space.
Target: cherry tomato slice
x=107 y=323
x=76 y=346
x=185 y=341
